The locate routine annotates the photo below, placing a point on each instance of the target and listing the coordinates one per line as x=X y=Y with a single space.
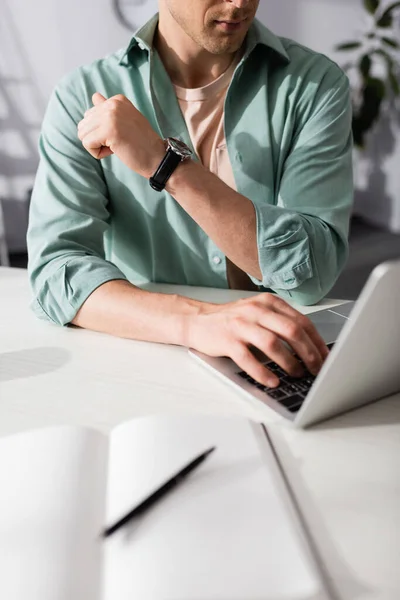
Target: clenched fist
x=115 y=126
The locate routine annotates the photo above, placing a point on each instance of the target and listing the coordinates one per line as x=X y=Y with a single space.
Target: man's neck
x=188 y=65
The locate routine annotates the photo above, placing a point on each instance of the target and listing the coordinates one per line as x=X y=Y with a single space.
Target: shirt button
x=216 y=260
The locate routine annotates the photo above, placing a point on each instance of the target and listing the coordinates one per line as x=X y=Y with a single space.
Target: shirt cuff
x=284 y=258
x=65 y=291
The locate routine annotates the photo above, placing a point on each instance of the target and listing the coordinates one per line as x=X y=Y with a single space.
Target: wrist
x=184 y=172
x=189 y=312
x=158 y=153
x=175 y=152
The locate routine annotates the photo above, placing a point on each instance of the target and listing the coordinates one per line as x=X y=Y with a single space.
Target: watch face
x=179 y=147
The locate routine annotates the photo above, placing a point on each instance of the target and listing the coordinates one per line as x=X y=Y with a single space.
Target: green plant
x=374 y=66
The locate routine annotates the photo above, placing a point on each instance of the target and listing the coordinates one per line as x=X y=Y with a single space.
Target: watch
x=177 y=151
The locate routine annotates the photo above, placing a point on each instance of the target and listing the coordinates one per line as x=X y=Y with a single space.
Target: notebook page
x=224 y=533
x=52 y=502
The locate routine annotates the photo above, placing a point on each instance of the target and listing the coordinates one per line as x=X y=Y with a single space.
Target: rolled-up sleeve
x=303 y=240
x=68 y=214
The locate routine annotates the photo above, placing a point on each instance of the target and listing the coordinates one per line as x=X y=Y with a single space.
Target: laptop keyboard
x=291 y=392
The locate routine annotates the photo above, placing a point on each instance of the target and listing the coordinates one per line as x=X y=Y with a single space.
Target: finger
x=86 y=126
x=97 y=106
x=316 y=338
x=273 y=348
x=245 y=360
x=305 y=322
x=93 y=144
x=98 y=98
x=104 y=152
x=291 y=331
x=90 y=111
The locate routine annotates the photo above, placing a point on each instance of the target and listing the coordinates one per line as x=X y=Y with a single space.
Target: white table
x=344 y=474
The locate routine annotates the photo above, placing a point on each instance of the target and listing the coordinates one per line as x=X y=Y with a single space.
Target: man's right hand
x=115 y=126
x=263 y=322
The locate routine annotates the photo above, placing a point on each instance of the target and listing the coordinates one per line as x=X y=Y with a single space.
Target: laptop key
x=291 y=388
x=247 y=377
x=276 y=393
x=296 y=407
x=276 y=370
x=243 y=374
x=303 y=386
x=292 y=403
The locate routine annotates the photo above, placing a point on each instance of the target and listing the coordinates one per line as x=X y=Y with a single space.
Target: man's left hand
x=115 y=126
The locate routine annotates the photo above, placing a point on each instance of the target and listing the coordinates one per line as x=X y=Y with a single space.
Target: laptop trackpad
x=344 y=309
x=328 y=323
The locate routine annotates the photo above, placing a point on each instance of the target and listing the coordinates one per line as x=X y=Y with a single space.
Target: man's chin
x=223 y=46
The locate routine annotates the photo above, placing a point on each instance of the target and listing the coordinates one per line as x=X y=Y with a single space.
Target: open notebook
x=228 y=532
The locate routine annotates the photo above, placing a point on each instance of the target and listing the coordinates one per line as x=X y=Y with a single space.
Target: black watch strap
x=167 y=166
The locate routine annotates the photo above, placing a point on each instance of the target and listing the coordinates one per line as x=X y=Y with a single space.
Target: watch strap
x=167 y=166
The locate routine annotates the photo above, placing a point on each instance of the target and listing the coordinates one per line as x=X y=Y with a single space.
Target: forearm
x=227 y=217
x=297 y=255
x=123 y=310
x=262 y=321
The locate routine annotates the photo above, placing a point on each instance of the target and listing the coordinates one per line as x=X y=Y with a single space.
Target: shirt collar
x=258 y=35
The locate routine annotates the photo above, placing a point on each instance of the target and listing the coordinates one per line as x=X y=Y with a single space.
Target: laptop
x=363 y=364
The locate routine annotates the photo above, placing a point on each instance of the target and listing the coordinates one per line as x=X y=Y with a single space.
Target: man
x=262 y=203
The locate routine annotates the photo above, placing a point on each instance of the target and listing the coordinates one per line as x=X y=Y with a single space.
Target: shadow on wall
x=26 y=82
x=21 y=110
x=371 y=194
x=21 y=105
x=18 y=153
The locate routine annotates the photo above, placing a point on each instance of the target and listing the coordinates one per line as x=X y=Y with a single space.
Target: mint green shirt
x=288 y=132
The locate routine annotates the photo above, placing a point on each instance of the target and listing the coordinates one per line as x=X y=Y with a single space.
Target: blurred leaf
x=394 y=82
x=365 y=66
x=390 y=42
x=371 y=6
x=374 y=90
x=386 y=16
x=358 y=133
x=373 y=94
x=391 y=78
x=388 y=59
x=349 y=46
x=385 y=21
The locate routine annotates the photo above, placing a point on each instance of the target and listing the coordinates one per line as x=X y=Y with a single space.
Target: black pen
x=152 y=499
